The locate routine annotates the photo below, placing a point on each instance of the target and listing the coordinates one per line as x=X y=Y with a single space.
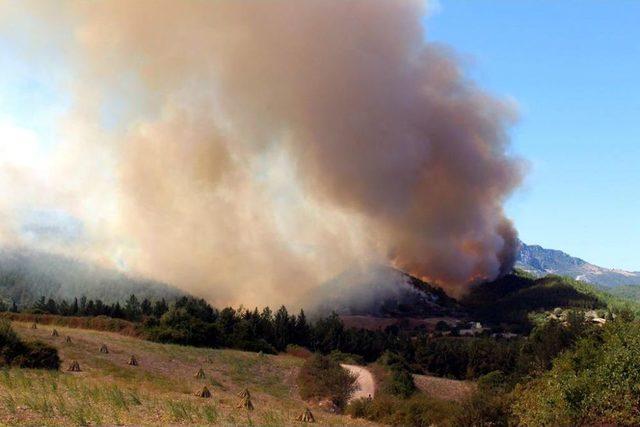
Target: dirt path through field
x=365 y=381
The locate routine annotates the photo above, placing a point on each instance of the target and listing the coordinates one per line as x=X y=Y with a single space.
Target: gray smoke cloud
x=261 y=147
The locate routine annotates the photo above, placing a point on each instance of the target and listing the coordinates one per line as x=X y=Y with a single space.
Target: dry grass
x=443 y=388
x=96 y=323
x=160 y=391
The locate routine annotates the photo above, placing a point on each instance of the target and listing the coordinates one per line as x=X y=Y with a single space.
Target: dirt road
x=365 y=381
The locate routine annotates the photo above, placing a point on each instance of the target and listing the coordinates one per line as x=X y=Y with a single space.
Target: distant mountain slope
x=540 y=262
x=376 y=290
x=25 y=275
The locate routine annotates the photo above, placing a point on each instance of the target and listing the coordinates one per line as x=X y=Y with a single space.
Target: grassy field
x=444 y=388
x=160 y=390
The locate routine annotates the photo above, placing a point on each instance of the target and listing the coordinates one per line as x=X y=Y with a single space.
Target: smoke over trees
x=256 y=149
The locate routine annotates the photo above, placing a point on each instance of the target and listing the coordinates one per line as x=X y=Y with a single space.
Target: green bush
x=420 y=410
x=37 y=355
x=483 y=409
x=348 y=358
x=594 y=383
x=10 y=344
x=25 y=355
x=323 y=378
x=399 y=382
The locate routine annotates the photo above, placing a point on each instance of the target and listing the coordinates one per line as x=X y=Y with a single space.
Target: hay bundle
x=306 y=417
x=133 y=361
x=200 y=374
x=246 y=404
x=34 y=325
x=204 y=393
x=74 y=367
x=55 y=333
x=244 y=394
x=67 y=339
x=104 y=349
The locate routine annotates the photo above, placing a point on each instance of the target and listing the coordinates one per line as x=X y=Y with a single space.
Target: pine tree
x=132 y=308
x=83 y=305
x=302 y=331
x=40 y=305
x=282 y=328
x=116 y=311
x=146 y=307
x=64 y=308
x=160 y=308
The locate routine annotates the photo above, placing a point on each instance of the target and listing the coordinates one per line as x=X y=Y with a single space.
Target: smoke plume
x=255 y=148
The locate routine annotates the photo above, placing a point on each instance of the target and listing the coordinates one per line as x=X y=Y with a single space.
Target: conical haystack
x=55 y=333
x=104 y=349
x=74 y=367
x=133 y=361
x=200 y=374
x=205 y=393
x=244 y=394
x=67 y=339
x=34 y=325
x=306 y=417
x=246 y=404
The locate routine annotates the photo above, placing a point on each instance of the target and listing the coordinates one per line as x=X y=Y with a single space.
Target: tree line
x=133 y=309
x=192 y=321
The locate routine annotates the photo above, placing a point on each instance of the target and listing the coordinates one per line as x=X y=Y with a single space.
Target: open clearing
x=444 y=388
x=159 y=391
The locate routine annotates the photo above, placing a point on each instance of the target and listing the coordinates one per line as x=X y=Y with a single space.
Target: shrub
x=25 y=355
x=351 y=359
x=399 y=382
x=37 y=355
x=323 y=378
x=486 y=407
x=256 y=346
x=9 y=342
x=419 y=410
x=361 y=408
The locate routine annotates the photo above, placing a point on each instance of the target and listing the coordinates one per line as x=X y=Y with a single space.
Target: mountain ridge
x=540 y=261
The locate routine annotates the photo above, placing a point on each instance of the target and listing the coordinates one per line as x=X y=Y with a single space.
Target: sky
x=573 y=68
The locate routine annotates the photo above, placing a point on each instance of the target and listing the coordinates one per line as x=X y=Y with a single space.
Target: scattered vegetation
x=321 y=377
x=567 y=371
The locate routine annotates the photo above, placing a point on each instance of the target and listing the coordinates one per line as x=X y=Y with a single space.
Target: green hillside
x=513 y=297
